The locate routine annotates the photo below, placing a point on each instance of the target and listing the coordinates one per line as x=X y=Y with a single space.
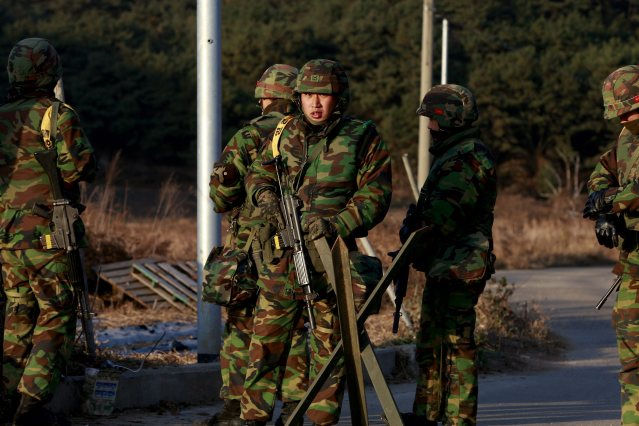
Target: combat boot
x=253 y=423
x=31 y=412
x=287 y=410
x=229 y=416
x=411 y=419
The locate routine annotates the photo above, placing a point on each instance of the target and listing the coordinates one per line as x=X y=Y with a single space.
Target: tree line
x=536 y=67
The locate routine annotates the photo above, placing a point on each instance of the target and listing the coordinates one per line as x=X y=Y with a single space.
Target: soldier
x=457 y=201
x=274 y=91
x=339 y=168
x=40 y=315
x=613 y=203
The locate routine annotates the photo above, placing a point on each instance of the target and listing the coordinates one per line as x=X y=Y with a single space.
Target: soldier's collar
x=439 y=148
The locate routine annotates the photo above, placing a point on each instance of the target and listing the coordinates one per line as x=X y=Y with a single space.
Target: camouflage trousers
x=235 y=356
x=274 y=323
x=447 y=385
x=40 y=321
x=625 y=318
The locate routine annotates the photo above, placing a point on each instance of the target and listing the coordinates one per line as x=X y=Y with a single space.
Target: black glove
x=319 y=227
x=269 y=206
x=410 y=223
x=597 y=203
x=607 y=230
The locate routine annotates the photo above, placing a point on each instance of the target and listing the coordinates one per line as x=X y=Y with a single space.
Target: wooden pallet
x=153 y=283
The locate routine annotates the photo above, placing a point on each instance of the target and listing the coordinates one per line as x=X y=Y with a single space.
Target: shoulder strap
x=49 y=125
x=275 y=143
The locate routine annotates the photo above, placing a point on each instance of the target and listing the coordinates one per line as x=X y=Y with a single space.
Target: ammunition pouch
x=230 y=276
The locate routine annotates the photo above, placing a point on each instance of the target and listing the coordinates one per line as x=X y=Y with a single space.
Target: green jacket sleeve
x=75 y=154
x=240 y=152
x=370 y=202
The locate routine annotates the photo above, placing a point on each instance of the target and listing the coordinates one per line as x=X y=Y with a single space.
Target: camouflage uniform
x=457 y=200
x=614 y=180
x=228 y=194
x=40 y=315
x=340 y=170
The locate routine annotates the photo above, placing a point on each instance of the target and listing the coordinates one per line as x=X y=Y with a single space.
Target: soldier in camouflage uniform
x=613 y=203
x=40 y=314
x=457 y=201
x=274 y=91
x=339 y=168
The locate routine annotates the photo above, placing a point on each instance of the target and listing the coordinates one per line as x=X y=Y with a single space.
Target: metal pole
x=411 y=177
x=444 y=51
x=426 y=82
x=209 y=134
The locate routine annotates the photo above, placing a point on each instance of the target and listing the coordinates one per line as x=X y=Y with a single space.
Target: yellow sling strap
x=275 y=144
x=49 y=125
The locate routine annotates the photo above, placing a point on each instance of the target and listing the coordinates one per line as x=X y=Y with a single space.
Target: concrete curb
x=193 y=384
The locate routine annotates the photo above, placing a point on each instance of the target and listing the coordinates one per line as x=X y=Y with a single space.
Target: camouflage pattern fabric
x=341 y=172
x=40 y=316
x=34 y=68
x=451 y=105
x=23 y=182
x=276 y=82
x=325 y=77
x=617 y=172
x=457 y=200
x=274 y=319
x=234 y=358
x=40 y=322
x=447 y=385
x=348 y=183
x=241 y=151
x=620 y=91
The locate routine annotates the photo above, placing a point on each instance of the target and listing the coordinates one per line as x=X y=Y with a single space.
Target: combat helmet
x=620 y=91
x=451 y=105
x=325 y=77
x=34 y=63
x=277 y=82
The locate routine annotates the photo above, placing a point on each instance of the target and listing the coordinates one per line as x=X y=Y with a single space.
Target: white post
x=423 y=156
x=444 y=51
x=209 y=134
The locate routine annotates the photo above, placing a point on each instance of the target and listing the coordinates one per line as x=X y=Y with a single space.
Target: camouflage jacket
x=618 y=172
x=458 y=200
x=241 y=151
x=348 y=181
x=23 y=181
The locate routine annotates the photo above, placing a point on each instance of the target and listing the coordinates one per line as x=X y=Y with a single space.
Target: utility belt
x=269 y=249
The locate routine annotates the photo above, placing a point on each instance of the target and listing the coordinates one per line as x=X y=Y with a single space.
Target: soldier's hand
x=409 y=224
x=226 y=174
x=599 y=202
x=606 y=230
x=269 y=206
x=319 y=227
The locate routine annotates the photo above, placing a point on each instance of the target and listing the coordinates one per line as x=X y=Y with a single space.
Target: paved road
x=580 y=389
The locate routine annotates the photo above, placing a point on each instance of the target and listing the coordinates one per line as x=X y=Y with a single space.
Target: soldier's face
x=317 y=107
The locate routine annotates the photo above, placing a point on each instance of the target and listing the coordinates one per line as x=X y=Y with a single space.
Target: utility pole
x=423 y=155
x=209 y=135
x=444 y=73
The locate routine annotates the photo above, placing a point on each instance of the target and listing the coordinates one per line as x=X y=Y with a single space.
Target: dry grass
x=529 y=233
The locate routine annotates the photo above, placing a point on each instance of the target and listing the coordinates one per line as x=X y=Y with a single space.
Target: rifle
x=616 y=282
x=400 y=281
x=291 y=236
x=64 y=220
